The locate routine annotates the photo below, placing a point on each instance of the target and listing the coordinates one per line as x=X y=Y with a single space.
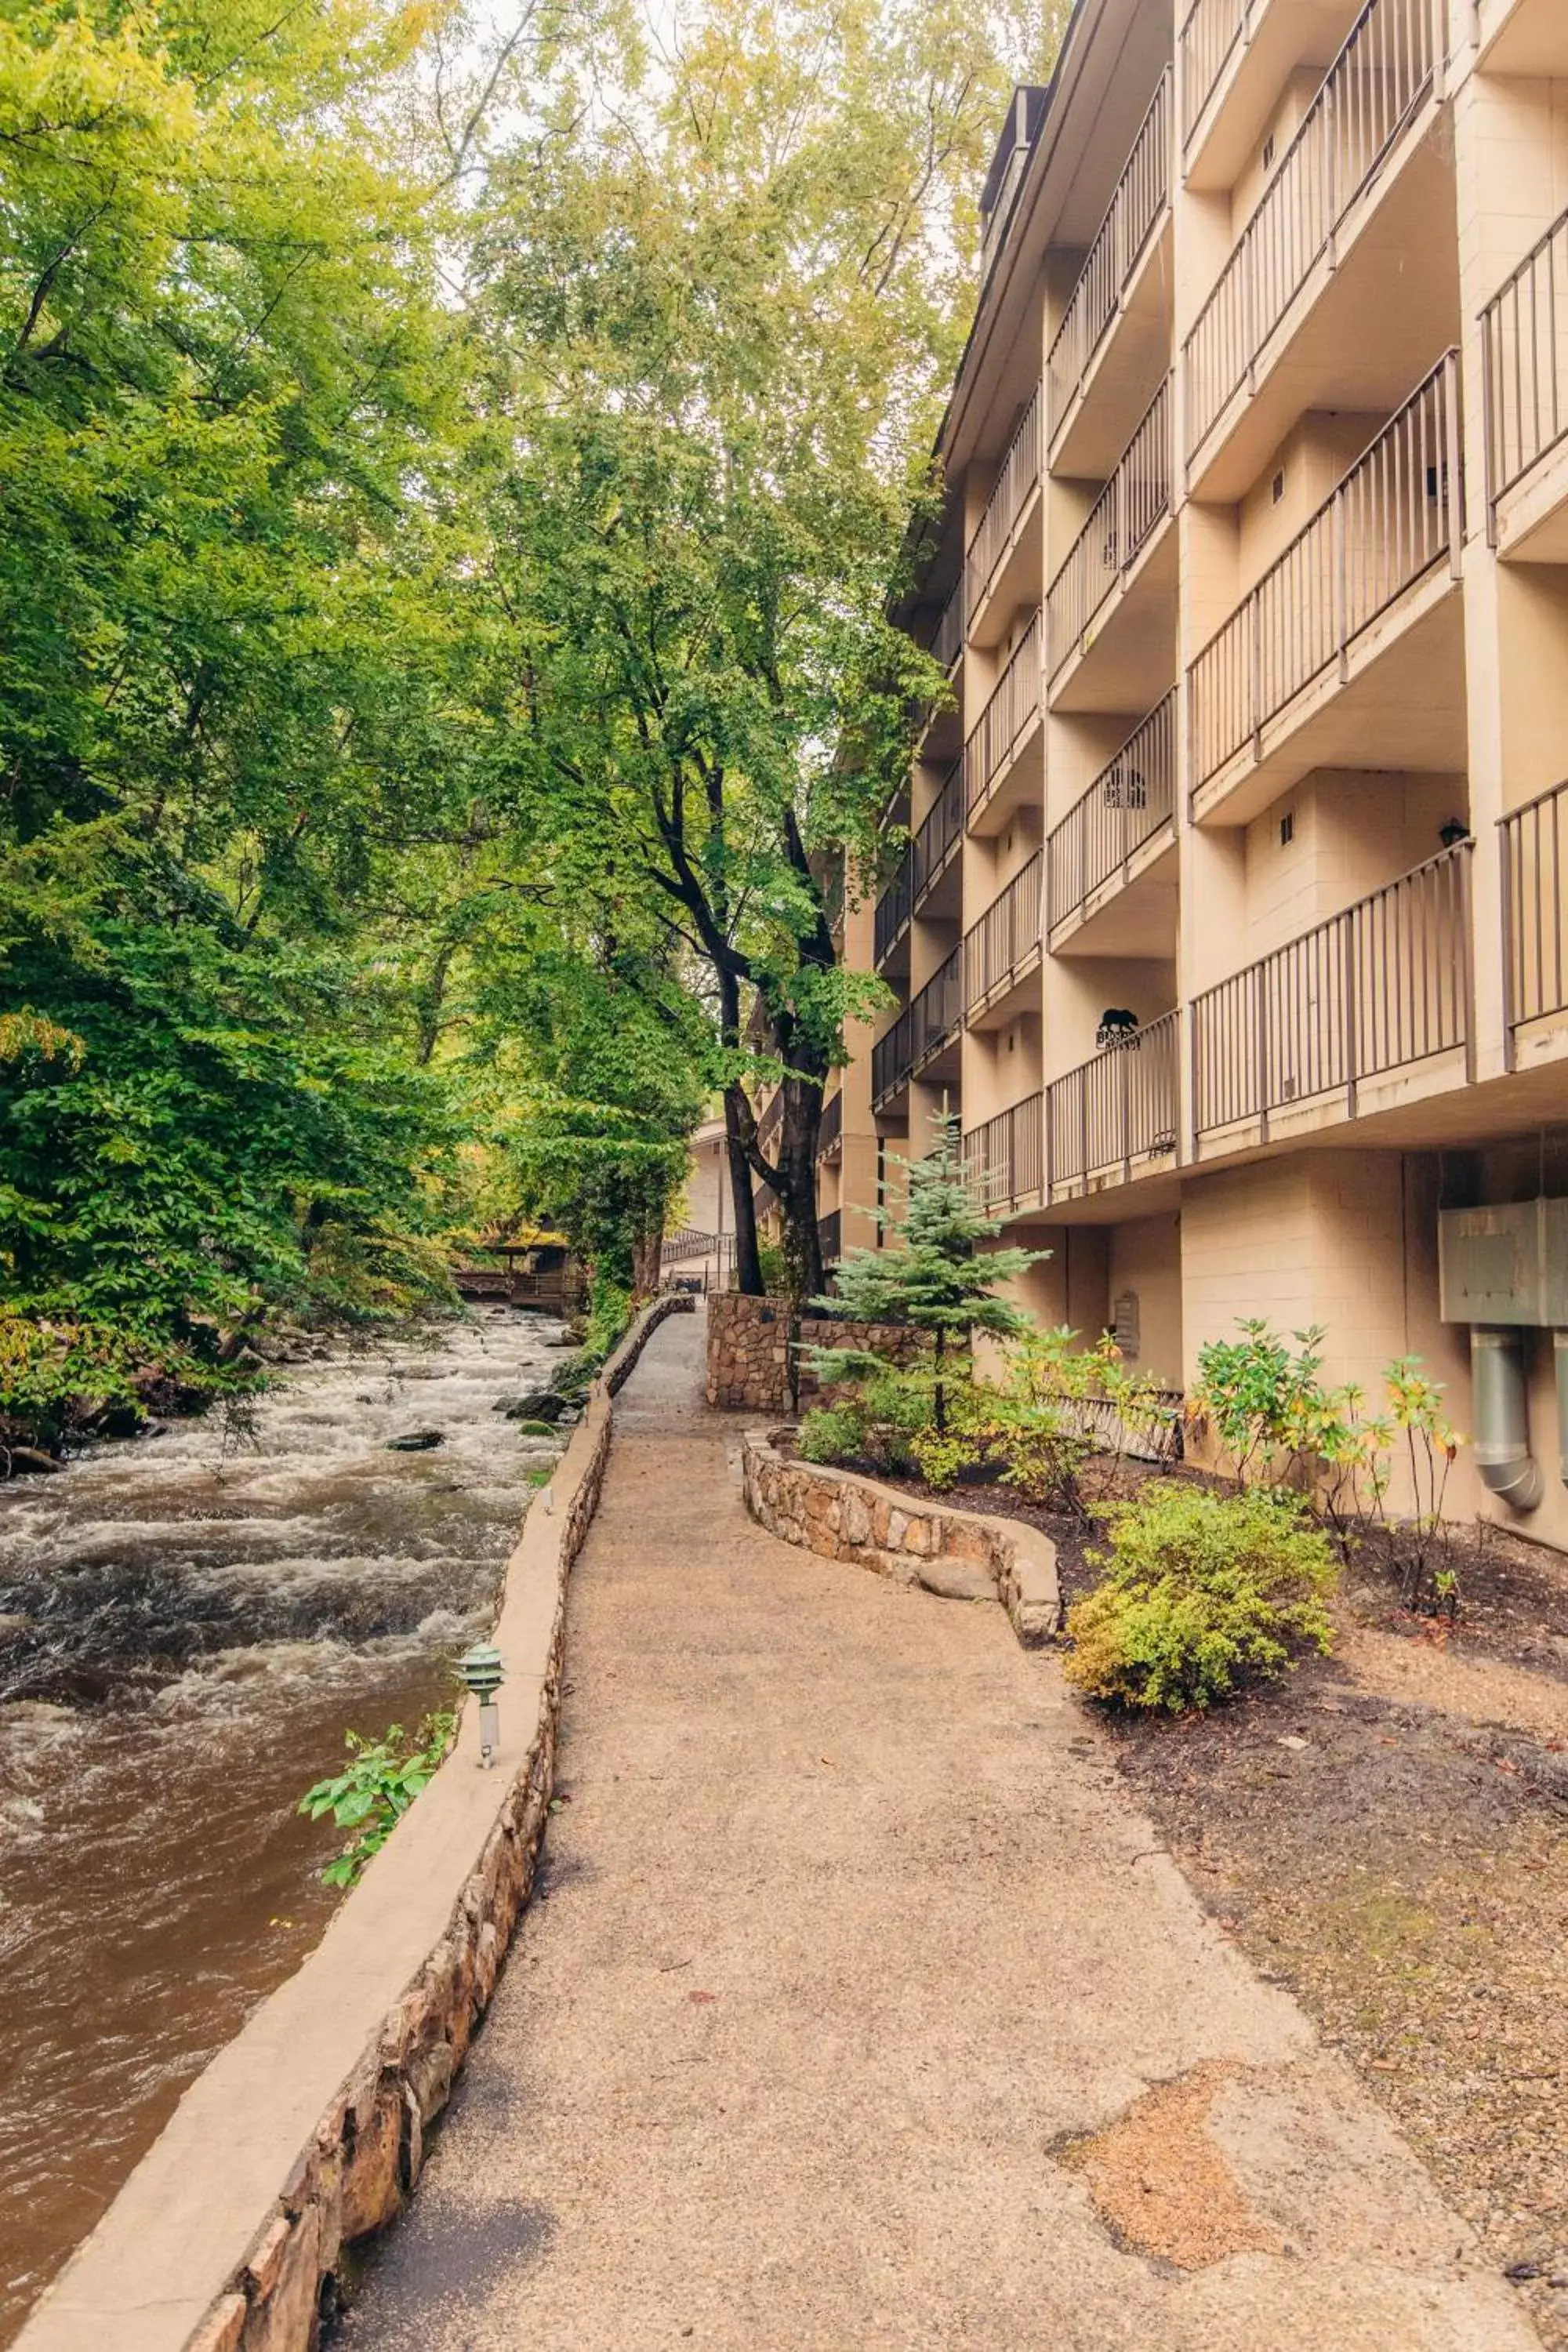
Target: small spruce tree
x=938 y=1281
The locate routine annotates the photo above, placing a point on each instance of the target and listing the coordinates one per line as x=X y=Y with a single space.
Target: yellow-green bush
x=1202 y=1592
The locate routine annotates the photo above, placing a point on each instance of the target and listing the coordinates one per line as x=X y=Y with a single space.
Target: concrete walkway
x=848 y=1934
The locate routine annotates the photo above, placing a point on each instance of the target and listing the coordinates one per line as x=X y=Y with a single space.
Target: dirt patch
x=1402 y=1868
x=1162 y=2184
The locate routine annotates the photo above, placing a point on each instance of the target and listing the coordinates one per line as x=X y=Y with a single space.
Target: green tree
x=939 y=1281
x=713 y=338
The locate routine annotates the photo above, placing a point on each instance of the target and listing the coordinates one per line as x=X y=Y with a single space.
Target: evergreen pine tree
x=938 y=1281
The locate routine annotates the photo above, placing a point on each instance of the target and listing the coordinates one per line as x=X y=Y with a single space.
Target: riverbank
x=188 y=1624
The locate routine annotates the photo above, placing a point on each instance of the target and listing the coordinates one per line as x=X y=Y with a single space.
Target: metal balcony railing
x=1142 y=193
x=1133 y=797
x=1116 y=1109
x=830 y=1127
x=1003 y=1158
x=1398 y=512
x=947 y=637
x=890 y=919
x=1535 y=908
x=1006 y=935
x=1381 y=75
x=941 y=830
x=1210 y=32
x=927 y=1023
x=1384 y=984
x=830 y=1236
x=1014 y=703
x=1019 y=472
x=1123 y=519
x=1524 y=332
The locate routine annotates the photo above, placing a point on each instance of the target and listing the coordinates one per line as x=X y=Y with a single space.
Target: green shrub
x=1202 y=1592
x=831 y=1433
x=370 y=1797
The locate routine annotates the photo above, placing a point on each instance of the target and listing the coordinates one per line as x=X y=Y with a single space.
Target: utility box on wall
x=1506 y=1264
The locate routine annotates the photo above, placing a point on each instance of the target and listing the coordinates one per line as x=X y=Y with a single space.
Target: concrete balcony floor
x=1124 y=371
x=1125 y=658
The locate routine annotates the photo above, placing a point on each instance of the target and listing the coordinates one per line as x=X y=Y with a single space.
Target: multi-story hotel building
x=1234 y=918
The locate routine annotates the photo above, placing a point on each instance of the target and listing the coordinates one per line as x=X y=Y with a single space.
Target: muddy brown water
x=188 y=1624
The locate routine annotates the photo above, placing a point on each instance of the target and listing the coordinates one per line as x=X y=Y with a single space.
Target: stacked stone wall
x=840 y=1516
x=753 y=1348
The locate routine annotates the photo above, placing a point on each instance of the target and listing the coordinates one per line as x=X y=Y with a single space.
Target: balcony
x=1113 y=343
x=890 y=919
x=1536 y=926
x=830 y=1237
x=1002 y=569
x=1341 y=288
x=1003 y=759
x=1368 y=1009
x=830 y=1128
x=927 y=863
x=1114 y=1118
x=1005 y=177
x=1524 y=335
x=1003 y=1159
x=1111 y=609
x=1003 y=949
x=1349 y=650
x=1111 y=860
x=1237 y=55
x=923 y=1041
x=1527 y=37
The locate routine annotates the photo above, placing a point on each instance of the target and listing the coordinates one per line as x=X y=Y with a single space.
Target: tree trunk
x=748 y=1263
x=797 y=1188
x=646 y=1264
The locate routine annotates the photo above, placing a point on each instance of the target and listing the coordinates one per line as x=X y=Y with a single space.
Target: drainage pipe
x=1560 y=1349
x=1500 y=1397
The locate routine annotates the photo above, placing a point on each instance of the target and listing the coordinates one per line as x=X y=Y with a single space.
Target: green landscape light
x=481 y=1671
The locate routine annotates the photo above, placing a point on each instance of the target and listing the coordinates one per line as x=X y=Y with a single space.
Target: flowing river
x=188 y=1624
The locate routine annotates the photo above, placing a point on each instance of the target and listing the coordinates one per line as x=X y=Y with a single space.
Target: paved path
x=847 y=1930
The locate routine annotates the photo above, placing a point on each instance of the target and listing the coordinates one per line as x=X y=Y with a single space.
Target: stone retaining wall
x=750 y=1351
x=841 y=1515
x=237 y=2230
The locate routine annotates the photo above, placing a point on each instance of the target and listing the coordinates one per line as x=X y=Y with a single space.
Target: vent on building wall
x=1287 y=828
x=1278 y=486
x=1268 y=152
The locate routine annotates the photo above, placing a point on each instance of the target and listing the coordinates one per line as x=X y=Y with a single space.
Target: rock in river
x=415 y=1441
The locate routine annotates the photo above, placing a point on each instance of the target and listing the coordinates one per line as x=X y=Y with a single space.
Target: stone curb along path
x=306 y=2134
x=841 y=1515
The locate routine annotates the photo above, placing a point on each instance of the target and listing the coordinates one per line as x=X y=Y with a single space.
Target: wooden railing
x=1381 y=75
x=1124 y=516
x=1142 y=196
x=1006 y=935
x=830 y=1127
x=1129 y=799
x=1384 y=984
x=1398 y=512
x=1116 y=1109
x=1525 y=331
x=830 y=1236
x=1535 y=908
x=1003 y=1158
x=1210 y=34
x=1014 y=703
x=1015 y=479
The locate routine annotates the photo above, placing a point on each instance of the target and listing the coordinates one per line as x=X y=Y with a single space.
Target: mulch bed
x=1400 y=1865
